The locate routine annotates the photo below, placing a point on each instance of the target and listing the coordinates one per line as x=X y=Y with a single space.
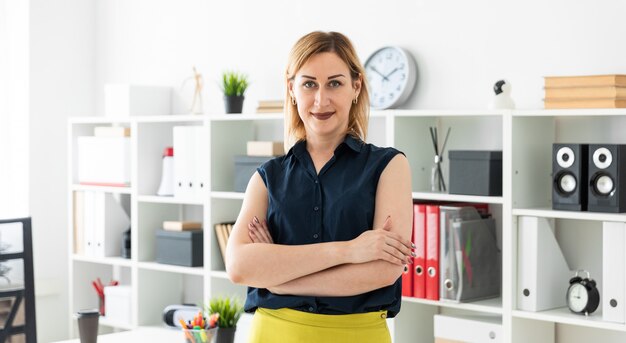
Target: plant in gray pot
x=229 y=310
x=234 y=85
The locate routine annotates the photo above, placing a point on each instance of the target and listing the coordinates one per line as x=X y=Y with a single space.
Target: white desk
x=141 y=334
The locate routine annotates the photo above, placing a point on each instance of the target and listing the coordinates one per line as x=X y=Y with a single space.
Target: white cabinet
x=525 y=137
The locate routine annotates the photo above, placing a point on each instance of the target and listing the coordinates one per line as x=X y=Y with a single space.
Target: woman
x=324 y=231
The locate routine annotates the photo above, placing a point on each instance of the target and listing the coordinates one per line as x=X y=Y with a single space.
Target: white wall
x=62 y=70
x=461 y=47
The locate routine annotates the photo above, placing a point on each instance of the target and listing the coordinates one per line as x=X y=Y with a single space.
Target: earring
x=293 y=101
x=356 y=100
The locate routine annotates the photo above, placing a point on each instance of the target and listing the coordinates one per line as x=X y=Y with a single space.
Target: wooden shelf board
x=117 y=190
x=493 y=305
x=112 y=261
x=171 y=268
x=564 y=316
x=167 y=200
x=546 y=212
x=457 y=197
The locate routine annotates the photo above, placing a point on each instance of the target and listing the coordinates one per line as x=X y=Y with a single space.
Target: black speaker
x=607 y=173
x=569 y=177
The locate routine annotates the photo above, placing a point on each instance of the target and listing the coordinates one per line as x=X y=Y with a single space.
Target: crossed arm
x=373 y=260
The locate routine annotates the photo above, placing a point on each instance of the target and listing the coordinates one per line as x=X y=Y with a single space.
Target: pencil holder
x=199 y=335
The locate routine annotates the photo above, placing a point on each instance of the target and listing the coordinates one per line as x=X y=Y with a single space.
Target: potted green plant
x=229 y=310
x=234 y=86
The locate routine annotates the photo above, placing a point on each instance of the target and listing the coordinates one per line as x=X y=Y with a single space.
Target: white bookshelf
x=524 y=136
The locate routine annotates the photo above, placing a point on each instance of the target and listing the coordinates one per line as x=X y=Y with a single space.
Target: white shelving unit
x=525 y=137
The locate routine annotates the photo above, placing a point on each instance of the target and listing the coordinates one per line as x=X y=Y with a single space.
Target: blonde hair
x=309 y=45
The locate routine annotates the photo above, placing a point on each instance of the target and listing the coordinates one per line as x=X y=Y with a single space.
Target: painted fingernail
x=412 y=245
x=413 y=254
x=256 y=220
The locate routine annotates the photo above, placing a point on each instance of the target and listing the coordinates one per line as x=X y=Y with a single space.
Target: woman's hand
x=259 y=232
x=381 y=244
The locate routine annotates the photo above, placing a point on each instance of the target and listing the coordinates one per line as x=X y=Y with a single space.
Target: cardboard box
x=474 y=329
x=181 y=248
x=104 y=161
x=245 y=166
x=476 y=172
x=265 y=148
x=123 y=100
x=117 y=304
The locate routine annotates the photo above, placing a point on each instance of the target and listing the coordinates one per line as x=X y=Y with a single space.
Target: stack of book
x=595 y=91
x=222 y=231
x=172 y=225
x=270 y=106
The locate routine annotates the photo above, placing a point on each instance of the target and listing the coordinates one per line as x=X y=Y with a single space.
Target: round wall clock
x=391 y=75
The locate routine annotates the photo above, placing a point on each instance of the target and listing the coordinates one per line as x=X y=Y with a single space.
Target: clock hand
x=393 y=71
x=379 y=73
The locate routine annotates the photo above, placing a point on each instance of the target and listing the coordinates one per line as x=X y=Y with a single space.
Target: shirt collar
x=353 y=143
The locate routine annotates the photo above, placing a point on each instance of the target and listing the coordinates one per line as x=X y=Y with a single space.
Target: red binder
x=407 y=278
x=407 y=281
x=432 y=252
x=419 y=239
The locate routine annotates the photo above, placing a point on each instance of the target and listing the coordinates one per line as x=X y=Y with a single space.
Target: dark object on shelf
x=245 y=166
x=225 y=335
x=607 y=173
x=233 y=103
x=476 y=172
x=88 y=325
x=126 y=244
x=582 y=295
x=173 y=313
x=569 y=174
x=181 y=248
x=19 y=301
x=437 y=183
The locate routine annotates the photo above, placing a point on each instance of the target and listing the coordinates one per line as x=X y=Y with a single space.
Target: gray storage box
x=182 y=248
x=476 y=172
x=245 y=166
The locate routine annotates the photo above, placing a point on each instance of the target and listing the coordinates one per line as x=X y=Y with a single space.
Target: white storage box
x=117 y=304
x=104 y=161
x=475 y=329
x=121 y=100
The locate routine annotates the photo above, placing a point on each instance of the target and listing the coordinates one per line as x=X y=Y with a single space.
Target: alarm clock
x=391 y=75
x=582 y=296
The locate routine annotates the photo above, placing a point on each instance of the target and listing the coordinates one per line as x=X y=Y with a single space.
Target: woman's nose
x=322 y=97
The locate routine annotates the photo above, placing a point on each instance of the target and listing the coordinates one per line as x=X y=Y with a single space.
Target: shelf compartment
x=493 y=305
x=546 y=212
x=171 y=268
x=112 y=261
x=457 y=197
x=563 y=315
x=157 y=199
x=228 y=195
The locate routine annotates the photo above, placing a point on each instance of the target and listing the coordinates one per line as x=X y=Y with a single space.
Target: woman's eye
x=309 y=84
x=334 y=83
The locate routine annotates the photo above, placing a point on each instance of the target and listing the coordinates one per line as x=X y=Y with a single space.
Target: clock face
x=391 y=75
x=577 y=297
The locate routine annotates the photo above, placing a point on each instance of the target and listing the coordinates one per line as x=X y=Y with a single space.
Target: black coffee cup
x=88 y=325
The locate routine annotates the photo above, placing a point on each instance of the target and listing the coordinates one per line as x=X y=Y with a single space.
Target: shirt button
x=315 y=236
x=316 y=181
x=316 y=208
x=310 y=309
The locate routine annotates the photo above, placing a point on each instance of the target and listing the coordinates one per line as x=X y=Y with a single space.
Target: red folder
x=419 y=239
x=432 y=252
x=407 y=278
x=407 y=281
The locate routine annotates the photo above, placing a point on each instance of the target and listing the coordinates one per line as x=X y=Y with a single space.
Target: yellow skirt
x=287 y=325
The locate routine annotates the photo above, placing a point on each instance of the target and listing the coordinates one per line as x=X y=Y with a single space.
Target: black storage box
x=476 y=172
x=245 y=166
x=182 y=248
